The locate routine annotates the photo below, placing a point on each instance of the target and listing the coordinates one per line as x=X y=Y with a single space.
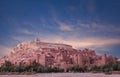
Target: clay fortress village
x=53 y=54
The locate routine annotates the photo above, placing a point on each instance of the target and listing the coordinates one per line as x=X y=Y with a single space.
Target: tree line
x=36 y=67
x=33 y=67
x=94 y=68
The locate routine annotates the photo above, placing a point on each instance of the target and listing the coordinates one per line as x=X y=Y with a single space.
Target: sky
x=93 y=24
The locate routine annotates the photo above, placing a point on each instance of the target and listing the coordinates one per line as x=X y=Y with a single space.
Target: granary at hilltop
x=53 y=54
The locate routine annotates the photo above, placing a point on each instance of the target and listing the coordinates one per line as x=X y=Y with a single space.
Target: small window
x=42 y=52
x=24 y=63
x=15 y=62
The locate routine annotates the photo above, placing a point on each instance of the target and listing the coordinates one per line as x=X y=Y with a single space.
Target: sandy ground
x=64 y=75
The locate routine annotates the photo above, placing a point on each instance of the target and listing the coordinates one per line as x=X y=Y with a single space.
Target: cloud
x=65 y=27
x=99 y=27
x=25 y=31
x=22 y=38
x=84 y=25
x=90 y=42
x=4 y=50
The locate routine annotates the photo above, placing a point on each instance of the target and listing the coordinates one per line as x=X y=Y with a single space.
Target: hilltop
x=53 y=54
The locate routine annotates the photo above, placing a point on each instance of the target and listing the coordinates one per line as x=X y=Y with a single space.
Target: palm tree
x=58 y=66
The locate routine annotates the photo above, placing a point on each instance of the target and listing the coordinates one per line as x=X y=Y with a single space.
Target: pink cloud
x=4 y=50
x=65 y=27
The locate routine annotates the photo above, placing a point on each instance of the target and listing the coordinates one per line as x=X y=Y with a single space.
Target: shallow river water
x=63 y=75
